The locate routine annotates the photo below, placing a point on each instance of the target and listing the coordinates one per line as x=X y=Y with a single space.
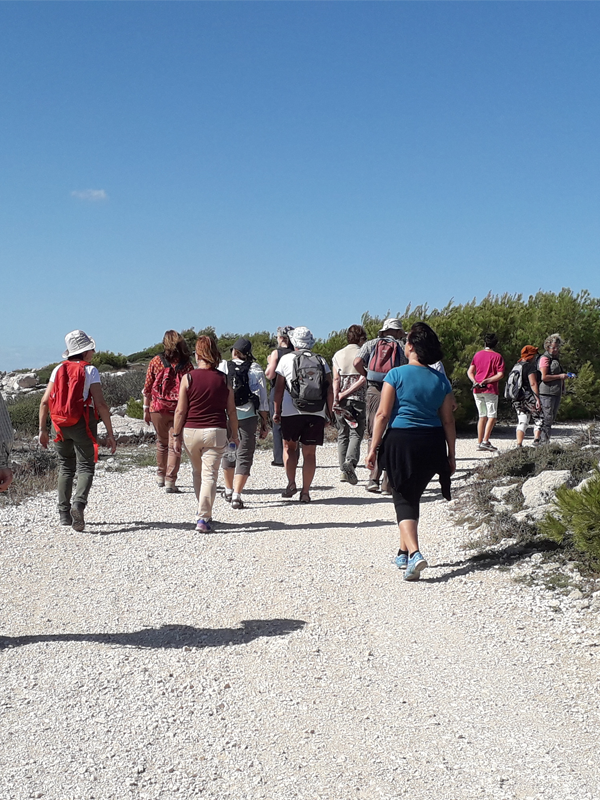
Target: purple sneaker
x=203 y=526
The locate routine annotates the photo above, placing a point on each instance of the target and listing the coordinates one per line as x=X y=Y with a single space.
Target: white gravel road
x=282 y=656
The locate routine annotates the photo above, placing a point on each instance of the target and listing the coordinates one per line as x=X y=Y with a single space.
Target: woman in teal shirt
x=417 y=409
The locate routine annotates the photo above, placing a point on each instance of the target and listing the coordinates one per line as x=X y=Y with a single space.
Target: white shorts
x=487 y=404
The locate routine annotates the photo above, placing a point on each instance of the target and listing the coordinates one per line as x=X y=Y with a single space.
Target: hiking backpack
x=514 y=389
x=165 y=389
x=307 y=387
x=240 y=383
x=66 y=403
x=386 y=355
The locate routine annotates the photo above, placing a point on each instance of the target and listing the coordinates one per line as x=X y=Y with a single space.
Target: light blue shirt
x=420 y=392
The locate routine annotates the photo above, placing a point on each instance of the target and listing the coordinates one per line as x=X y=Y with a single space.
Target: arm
x=471 y=373
x=446 y=414
x=388 y=395
x=232 y=416
x=360 y=367
x=546 y=376
x=278 y=399
x=533 y=382
x=271 y=365
x=103 y=411
x=336 y=384
x=6 y=440
x=354 y=388
x=43 y=416
x=329 y=400
x=147 y=391
x=263 y=408
x=495 y=378
x=181 y=413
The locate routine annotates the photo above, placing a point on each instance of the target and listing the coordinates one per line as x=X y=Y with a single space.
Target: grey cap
x=302 y=338
x=391 y=324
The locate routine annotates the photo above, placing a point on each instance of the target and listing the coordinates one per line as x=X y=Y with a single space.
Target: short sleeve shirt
x=343 y=361
x=288 y=409
x=487 y=363
x=420 y=392
x=91 y=376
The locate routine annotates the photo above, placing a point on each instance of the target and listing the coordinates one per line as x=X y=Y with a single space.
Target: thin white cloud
x=90 y=195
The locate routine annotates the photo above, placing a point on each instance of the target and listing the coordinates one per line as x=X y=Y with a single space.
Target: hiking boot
x=65 y=518
x=349 y=472
x=160 y=481
x=343 y=478
x=401 y=560
x=227 y=496
x=373 y=486
x=237 y=502
x=416 y=564
x=78 y=521
x=172 y=489
x=203 y=526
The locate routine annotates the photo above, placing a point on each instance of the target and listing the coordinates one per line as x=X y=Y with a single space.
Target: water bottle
x=571 y=375
x=231 y=453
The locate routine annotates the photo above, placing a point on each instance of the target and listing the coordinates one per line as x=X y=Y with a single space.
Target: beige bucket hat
x=78 y=342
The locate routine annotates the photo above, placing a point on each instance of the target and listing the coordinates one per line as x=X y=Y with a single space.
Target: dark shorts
x=305 y=428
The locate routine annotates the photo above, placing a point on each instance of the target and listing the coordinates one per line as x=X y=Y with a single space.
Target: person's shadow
x=170 y=636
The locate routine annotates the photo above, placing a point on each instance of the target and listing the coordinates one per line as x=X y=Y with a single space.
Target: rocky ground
x=283 y=656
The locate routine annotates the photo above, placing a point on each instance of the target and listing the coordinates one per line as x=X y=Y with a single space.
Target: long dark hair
x=426 y=343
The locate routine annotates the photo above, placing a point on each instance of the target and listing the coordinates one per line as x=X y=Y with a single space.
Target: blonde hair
x=207 y=350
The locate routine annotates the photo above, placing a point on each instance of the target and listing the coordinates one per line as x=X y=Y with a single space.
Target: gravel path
x=282 y=656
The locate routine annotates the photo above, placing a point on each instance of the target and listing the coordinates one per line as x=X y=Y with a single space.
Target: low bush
x=118 y=389
x=45 y=372
x=24 y=413
x=34 y=471
x=135 y=408
x=113 y=360
x=575 y=519
x=525 y=462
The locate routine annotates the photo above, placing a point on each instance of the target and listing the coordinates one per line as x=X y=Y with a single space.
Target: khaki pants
x=167 y=460
x=205 y=446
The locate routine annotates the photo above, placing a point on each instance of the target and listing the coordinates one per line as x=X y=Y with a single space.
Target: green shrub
x=135 y=408
x=525 y=462
x=45 y=372
x=114 y=360
x=575 y=519
x=24 y=413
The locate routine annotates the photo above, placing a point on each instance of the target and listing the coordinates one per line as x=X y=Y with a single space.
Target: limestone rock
x=26 y=380
x=500 y=492
x=541 y=489
x=533 y=514
x=127 y=430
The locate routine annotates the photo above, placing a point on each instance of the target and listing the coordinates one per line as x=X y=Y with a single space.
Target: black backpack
x=307 y=388
x=240 y=383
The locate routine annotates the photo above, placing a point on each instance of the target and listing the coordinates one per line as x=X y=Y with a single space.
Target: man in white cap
x=303 y=402
x=374 y=360
x=74 y=397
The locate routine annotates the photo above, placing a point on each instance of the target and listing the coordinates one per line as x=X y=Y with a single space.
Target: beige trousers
x=205 y=446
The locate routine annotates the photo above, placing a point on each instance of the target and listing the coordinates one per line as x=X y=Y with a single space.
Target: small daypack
x=240 y=383
x=514 y=389
x=66 y=403
x=165 y=390
x=386 y=355
x=307 y=387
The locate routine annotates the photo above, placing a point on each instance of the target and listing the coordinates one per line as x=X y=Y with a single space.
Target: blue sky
x=247 y=165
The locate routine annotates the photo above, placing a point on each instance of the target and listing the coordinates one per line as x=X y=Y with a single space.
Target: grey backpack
x=307 y=388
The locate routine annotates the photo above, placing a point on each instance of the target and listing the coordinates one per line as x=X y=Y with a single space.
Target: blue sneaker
x=401 y=560
x=416 y=564
x=203 y=526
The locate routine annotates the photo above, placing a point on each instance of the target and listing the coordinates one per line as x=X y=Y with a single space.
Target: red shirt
x=487 y=363
x=207 y=399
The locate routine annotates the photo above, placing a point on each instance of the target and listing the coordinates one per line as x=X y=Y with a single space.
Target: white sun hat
x=78 y=342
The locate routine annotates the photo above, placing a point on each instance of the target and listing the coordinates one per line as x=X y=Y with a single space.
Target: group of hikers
x=393 y=386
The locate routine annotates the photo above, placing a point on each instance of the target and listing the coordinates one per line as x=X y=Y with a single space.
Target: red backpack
x=66 y=402
x=165 y=389
x=386 y=354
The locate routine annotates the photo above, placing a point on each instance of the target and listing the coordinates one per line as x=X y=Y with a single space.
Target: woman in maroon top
x=206 y=404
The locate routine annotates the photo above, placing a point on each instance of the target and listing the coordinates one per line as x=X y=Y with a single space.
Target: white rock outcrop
x=540 y=490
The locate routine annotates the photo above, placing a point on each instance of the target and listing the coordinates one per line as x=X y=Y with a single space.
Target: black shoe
x=237 y=503
x=78 y=521
x=277 y=463
x=65 y=518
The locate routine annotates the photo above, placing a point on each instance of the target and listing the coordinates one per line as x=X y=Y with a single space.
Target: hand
x=147 y=417
x=44 y=439
x=371 y=459
x=538 y=404
x=6 y=478
x=235 y=440
x=452 y=463
x=111 y=443
x=276 y=419
x=264 y=431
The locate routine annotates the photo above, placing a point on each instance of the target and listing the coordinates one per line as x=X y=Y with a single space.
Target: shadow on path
x=484 y=561
x=170 y=636
x=221 y=527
